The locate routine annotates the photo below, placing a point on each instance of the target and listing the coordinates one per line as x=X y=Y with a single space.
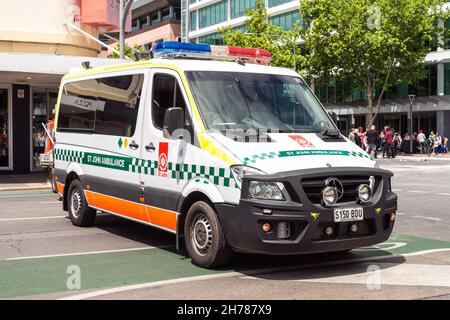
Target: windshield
x=235 y=100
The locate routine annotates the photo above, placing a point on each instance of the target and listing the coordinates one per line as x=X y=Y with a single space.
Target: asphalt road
x=43 y=256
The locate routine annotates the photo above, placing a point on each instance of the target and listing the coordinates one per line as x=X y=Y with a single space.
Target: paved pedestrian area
x=31 y=181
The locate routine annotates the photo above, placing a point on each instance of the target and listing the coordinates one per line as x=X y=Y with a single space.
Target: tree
x=376 y=43
x=261 y=34
x=129 y=52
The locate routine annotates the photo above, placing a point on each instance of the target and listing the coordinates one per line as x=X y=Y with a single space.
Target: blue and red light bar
x=206 y=51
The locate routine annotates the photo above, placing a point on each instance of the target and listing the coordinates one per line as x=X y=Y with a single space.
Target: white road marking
x=103 y=292
x=50 y=202
x=397 y=190
x=87 y=253
x=443 y=194
x=32 y=218
x=427 y=218
x=27 y=195
x=400 y=213
x=405 y=274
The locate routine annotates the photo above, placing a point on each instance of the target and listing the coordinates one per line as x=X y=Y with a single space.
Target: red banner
x=163 y=159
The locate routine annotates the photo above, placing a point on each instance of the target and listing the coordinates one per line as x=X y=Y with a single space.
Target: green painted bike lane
x=106 y=270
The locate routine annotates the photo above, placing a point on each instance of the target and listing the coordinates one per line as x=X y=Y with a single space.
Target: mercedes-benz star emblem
x=336 y=184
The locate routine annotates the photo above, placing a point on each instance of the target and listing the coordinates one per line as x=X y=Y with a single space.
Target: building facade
x=36 y=50
x=153 y=21
x=201 y=20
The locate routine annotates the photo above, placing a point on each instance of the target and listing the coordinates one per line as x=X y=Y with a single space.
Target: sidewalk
x=422 y=157
x=31 y=181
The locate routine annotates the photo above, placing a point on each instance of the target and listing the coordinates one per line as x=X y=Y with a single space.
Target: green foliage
x=377 y=43
x=128 y=51
x=261 y=34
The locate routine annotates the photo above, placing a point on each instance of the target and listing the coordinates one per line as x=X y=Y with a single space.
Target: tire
x=209 y=249
x=80 y=213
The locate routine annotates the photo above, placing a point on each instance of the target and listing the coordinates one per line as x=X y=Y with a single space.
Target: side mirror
x=333 y=116
x=173 y=120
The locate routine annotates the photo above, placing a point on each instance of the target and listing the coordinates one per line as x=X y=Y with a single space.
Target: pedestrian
x=445 y=145
x=351 y=135
x=372 y=139
x=422 y=140
x=362 y=137
x=382 y=143
x=397 y=143
x=437 y=144
x=389 y=143
x=357 y=138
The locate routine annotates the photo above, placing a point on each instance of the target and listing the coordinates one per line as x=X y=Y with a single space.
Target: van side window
x=77 y=106
x=118 y=104
x=103 y=106
x=166 y=94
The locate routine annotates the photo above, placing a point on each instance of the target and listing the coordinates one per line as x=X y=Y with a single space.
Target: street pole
x=121 y=30
x=124 y=8
x=410 y=124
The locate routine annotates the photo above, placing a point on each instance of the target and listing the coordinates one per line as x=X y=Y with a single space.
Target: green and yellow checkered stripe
x=69 y=155
x=297 y=153
x=216 y=175
x=263 y=156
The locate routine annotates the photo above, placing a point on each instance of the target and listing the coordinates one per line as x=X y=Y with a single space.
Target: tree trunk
x=369 y=117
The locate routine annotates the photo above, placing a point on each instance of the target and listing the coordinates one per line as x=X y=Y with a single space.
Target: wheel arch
x=184 y=204
x=71 y=176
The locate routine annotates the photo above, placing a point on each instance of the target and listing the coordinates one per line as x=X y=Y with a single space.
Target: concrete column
x=440 y=79
x=441 y=25
x=159 y=16
x=21 y=129
x=440 y=121
x=171 y=12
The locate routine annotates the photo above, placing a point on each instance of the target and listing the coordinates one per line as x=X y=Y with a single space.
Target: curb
x=26 y=188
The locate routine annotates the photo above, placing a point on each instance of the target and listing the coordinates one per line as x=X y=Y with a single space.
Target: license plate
x=348 y=214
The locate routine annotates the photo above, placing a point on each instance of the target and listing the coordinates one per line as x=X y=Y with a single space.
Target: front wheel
x=204 y=239
x=79 y=211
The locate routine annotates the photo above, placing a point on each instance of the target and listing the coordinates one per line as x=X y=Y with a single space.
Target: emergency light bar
x=173 y=49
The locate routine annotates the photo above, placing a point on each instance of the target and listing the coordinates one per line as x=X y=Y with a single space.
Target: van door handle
x=150 y=147
x=133 y=145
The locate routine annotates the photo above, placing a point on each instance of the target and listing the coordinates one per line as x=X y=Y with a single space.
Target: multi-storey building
x=153 y=21
x=201 y=20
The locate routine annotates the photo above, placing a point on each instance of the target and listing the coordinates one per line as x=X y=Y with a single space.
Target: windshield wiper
x=238 y=82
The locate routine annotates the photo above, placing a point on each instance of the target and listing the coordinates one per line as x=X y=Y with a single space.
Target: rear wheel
x=79 y=212
x=204 y=239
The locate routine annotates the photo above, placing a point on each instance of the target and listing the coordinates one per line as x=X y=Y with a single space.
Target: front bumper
x=242 y=224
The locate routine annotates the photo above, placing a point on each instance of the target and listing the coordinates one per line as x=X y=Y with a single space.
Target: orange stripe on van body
x=161 y=217
x=60 y=188
x=155 y=216
x=89 y=197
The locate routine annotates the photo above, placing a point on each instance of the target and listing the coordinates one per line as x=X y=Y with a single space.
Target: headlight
x=364 y=193
x=265 y=190
x=241 y=171
x=330 y=195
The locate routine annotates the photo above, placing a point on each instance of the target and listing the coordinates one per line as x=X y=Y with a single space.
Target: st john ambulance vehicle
x=215 y=146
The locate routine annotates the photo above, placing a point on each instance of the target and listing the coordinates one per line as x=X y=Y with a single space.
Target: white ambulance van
x=227 y=153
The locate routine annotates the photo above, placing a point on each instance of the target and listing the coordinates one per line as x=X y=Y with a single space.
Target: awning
x=49 y=64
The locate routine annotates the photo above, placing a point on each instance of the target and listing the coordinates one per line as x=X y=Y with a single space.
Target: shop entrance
x=5 y=130
x=42 y=110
